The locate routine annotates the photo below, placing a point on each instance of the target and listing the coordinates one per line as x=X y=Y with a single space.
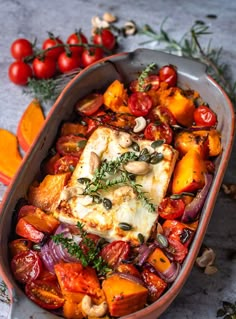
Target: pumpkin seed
x=107 y=203
x=97 y=199
x=176 y=196
x=156 y=158
x=162 y=240
x=144 y=158
x=157 y=143
x=82 y=143
x=135 y=147
x=83 y=180
x=141 y=238
x=125 y=226
x=144 y=151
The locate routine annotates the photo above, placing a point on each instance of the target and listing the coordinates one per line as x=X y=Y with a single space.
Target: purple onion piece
x=131 y=278
x=144 y=252
x=171 y=273
x=47 y=258
x=193 y=209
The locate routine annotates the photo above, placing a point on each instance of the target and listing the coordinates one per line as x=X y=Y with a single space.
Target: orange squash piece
x=10 y=158
x=123 y=296
x=46 y=195
x=180 y=106
x=214 y=141
x=72 y=310
x=116 y=98
x=189 y=173
x=30 y=124
x=159 y=260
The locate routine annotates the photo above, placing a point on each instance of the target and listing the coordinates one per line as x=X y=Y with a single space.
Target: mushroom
x=93 y=310
x=138 y=167
x=140 y=124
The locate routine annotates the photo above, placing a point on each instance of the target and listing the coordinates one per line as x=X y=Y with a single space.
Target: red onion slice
x=171 y=273
x=193 y=209
x=144 y=252
x=131 y=278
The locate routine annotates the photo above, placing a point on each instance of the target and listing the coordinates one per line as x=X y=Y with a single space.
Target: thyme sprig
x=190 y=46
x=91 y=257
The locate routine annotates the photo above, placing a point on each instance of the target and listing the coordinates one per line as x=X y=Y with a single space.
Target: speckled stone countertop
x=202 y=294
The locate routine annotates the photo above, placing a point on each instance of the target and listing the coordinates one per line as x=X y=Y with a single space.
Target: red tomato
x=178 y=250
x=90 y=104
x=154 y=284
x=91 y=55
x=45 y=68
x=26 y=266
x=168 y=75
x=28 y=231
x=139 y=103
x=176 y=230
x=92 y=125
x=19 y=72
x=45 y=294
x=21 y=48
x=65 y=164
x=51 y=42
x=114 y=253
x=204 y=116
x=171 y=208
x=162 y=114
x=67 y=63
x=77 y=38
x=105 y=38
x=18 y=245
x=72 y=145
x=160 y=131
x=151 y=82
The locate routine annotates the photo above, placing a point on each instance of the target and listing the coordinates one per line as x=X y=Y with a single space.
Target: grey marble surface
x=202 y=295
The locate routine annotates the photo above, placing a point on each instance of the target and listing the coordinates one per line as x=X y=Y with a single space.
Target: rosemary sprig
x=189 y=46
x=90 y=258
x=143 y=76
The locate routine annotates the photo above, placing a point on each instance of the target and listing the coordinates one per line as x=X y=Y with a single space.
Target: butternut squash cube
x=159 y=260
x=123 y=296
x=189 y=173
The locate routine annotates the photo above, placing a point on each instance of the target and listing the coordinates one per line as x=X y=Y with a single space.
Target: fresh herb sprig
x=190 y=46
x=90 y=258
x=228 y=310
x=144 y=75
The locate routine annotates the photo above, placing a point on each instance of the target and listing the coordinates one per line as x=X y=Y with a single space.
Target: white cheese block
x=126 y=206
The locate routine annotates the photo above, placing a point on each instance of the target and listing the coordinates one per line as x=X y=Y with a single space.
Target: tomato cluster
x=55 y=56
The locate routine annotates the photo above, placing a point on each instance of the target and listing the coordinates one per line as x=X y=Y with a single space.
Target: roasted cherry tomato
x=49 y=45
x=65 y=164
x=154 y=284
x=151 y=82
x=160 y=131
x=68 y=62
x=91 y=55
x=204 y=116
x=179 y=231
x=18 y=245
x=44 y=68
x=105 y=38
x=19 y=72
x=162 y=114
x=91 y=126
x=139 y=103
x=45 y=294
x=177 y=250
x=168 y=74
x=26 y=266
x=28 y=231
x=171 y=208
x=75 y=39
x=90 y=104
x=114 y=253
x=21 y=48
x=72 y=145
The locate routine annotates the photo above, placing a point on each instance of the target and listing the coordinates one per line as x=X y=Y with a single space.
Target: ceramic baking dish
x=124 y=66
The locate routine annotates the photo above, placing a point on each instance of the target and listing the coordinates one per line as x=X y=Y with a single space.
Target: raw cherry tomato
x=21 y=48
x=168 y=75
x=45 y=294
x=114 y=253
x=26 y=266
x=139 y=103
x=77 y=38
x=67 y=63
x=65 y=164
x=105 y=38
x=45 y=68
x=70 y=145
x=18 y=245
x=19 y=72
x=162 y=114
x=51 y=42
x=160 y=131
x=151 y=82
x=91 y=55
x=204 y=116
x=178 y=250
x=171 y=208
x=90 y=104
